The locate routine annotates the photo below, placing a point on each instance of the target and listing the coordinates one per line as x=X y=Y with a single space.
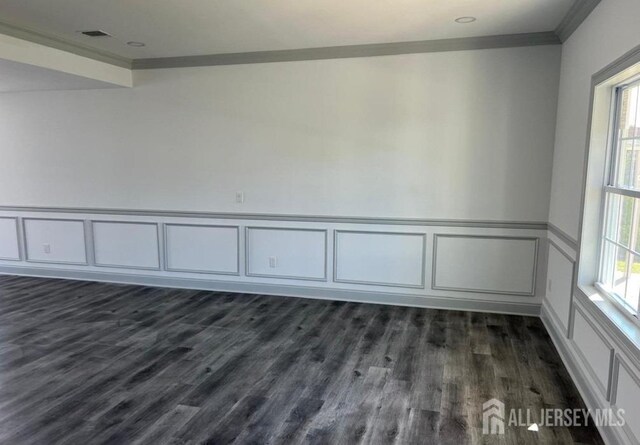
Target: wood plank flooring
x=93 y=363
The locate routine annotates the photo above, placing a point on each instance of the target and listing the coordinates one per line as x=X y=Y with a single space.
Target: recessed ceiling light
x=136 y=44
x=466 y=19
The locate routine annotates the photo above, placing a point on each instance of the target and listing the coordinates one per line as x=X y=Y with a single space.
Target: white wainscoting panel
x=485 y=264
x=202 y=249
x=55 y=241
x=9 y=247
x=594 y=350
x=286 y=253
x=627 y=397
x=126 y=244
x=560 y=276
x=379 y=258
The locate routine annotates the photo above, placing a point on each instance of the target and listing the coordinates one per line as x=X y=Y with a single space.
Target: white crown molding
x=578 y=12
x=352 y=51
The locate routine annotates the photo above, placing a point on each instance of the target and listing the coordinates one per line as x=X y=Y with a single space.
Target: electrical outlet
x=239 y=197
x=46 y=248
x=273 y=262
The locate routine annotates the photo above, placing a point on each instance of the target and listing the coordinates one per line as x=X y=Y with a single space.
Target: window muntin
x=620 y=257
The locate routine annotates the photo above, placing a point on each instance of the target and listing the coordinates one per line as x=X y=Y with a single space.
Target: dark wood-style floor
x=91 y=363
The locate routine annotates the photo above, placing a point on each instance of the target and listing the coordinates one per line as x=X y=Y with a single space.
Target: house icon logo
x=493 y=417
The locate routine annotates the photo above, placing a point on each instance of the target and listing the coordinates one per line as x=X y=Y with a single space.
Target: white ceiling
x=15 y=76
x=194 y=27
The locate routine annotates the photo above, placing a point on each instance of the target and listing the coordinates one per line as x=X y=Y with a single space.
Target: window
x=620 y=258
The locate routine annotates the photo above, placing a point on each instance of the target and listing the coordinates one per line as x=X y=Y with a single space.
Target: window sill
x=622 y=327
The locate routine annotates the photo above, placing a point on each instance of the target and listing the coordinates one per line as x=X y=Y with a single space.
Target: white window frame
x=610 y=188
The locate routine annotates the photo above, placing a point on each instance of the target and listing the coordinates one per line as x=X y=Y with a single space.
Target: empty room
x=319 y=222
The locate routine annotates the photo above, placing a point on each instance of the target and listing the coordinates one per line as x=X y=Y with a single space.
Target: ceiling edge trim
x=63 y=45
x=352 y=51
x=290 y=55
x=577 y=14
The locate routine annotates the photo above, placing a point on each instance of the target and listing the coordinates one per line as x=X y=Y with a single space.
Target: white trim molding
x=574 y=17
x=17 y=239
x=580 y=377
x=605 y=390
x=534 y=276
x=319 y=280
x=422 y=283
x=352 y=51
x=322 y=293
x=93 y=223
x=577 y=14
x=620 y=362
x=471 y=223
x=24 y=222
x=569 y=322
x=167 y=248
x=247 y=255
x=567 y=239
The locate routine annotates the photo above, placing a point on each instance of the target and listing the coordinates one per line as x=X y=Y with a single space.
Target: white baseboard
x=388 y=298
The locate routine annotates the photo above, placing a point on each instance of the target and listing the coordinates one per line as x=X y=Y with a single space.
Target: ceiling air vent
x=97 y=33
